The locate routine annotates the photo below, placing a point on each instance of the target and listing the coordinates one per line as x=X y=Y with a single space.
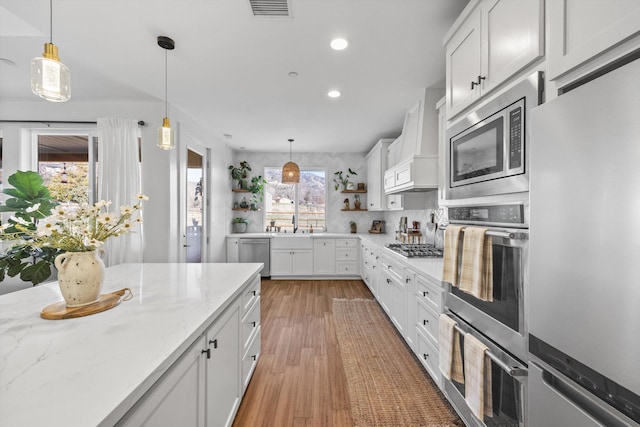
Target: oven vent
x=270 y=8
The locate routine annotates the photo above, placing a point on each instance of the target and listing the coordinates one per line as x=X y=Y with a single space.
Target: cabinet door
x=511 y=38
x=463 y=65
x=374 y=177
x=579 y=30
x=302 y=262
x=324 y=256
x=281 y=262
x=233 y=249
x=177 y=399
x=223 y=368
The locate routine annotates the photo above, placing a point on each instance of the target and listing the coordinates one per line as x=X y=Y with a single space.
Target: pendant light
x=290 y=171
x=165 y=133
x=50 y=78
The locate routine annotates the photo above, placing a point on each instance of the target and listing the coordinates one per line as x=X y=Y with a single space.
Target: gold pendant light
x=290 y=171
x=50 y=78
x=166 y=136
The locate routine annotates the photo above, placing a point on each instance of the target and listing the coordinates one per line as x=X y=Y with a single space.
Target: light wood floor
x=299 y=379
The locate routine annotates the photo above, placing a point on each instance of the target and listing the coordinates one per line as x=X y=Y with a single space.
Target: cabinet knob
x=254 y=357
x=214 y=342
x=254 y=293
x=424 y=322
x=407 y=280
x=254 y=324
x=388 y=281
x=425 y=293
x=425 y=356
x=208 y=352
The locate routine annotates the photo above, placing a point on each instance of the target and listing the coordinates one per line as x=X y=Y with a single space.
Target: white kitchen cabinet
x=370 y=270
x=291 y=262
x=223 y=368
x=205 y=385
x=493 y=41
x=177 y=398
x=443 y=148
x=392 y=291
x=427 y=300
x=347 y=257
x=233 y=252
x=376 y=166
x=324 y=256
x=581 y=30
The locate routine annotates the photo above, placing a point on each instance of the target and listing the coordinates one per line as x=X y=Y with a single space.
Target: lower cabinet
x=392 y=294
x=291 y=262
x=205 y=385
x=324 y=256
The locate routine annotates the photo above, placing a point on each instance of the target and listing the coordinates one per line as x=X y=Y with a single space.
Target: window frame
x=296 y=193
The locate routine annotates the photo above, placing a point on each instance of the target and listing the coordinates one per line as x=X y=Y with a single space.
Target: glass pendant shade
x=50 y=78
x=290 y=173
x=166 y=136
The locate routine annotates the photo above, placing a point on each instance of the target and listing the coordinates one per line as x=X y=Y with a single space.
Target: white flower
x=4 y=226
x=46 y=228
x=60 y=213
x=126 y=210
x=33 y=208
x=102 y=204
x=141 y=196
x=107 y=218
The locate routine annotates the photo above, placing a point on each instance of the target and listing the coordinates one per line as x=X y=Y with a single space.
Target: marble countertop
x=89 y=371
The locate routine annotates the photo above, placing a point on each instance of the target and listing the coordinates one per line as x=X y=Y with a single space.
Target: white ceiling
x=229 y=70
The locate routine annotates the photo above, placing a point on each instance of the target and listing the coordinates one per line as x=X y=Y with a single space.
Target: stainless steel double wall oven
x=488 y=186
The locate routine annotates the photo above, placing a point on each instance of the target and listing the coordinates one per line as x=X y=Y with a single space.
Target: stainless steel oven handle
x=513 y=371
x=503 y=234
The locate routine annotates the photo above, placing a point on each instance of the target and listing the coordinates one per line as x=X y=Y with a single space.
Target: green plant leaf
x=36 y=273
x=30 y=183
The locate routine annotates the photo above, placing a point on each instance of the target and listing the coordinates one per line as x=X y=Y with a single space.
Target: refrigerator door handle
x=582 y=399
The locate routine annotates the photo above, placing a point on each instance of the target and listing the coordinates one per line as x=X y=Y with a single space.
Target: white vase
x=80 y=277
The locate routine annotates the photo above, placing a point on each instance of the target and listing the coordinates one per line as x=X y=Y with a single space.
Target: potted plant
x=240 y=224
x=257 y=188
x=75 y=235
x=341 y=178
x=240 y=173
x=354 y=227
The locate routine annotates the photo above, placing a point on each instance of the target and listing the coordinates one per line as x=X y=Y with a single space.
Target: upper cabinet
x=376 y=165
x=581 y=30
x=491 y=41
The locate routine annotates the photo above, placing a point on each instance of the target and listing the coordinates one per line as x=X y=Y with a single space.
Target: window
x=305 y=200
x=63 y=163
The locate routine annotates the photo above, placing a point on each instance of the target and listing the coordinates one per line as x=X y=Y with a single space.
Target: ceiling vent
x=270 y=8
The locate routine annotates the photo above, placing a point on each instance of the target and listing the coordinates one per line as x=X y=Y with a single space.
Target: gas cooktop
x=412 y=250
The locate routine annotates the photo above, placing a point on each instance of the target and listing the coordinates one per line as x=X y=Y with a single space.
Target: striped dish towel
x=476 y=276
x=449 y=344
x=450 y=257
x=477 y=370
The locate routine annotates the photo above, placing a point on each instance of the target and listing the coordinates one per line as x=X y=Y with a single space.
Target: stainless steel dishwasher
x=256 y=250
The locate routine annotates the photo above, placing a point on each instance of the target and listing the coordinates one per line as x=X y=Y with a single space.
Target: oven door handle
x=513 y=371
x=499 y=233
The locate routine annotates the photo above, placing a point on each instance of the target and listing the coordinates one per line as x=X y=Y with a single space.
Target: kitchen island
x=91 y=371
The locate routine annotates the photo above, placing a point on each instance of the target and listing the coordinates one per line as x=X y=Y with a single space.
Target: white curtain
x=119 y=182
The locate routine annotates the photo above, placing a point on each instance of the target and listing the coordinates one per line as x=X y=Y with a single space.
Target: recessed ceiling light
x=293 y=74
x=334 y=93
x=339 y=43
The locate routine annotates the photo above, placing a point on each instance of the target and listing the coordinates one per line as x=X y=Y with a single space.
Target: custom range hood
x=414 y=155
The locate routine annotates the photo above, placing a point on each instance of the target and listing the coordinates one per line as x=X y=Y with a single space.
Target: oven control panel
x=495 y=214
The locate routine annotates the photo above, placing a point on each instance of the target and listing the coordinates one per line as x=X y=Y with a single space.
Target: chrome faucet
x=293 y=221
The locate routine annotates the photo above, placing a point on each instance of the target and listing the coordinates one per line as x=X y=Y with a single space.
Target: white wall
x=337 y=221
x=160 y=179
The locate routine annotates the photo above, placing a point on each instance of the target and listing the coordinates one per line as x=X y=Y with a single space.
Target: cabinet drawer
x=250 y=359
x=349 y=268
x=347 y=243
x=428 y=321
x=250 y=294
x=389 y=179
x=428 y=356
x=392 y=268
x=250 y=323
x=346 y=254
x=429 y=294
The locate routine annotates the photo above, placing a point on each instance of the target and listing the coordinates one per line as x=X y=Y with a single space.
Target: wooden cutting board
x=60 y=310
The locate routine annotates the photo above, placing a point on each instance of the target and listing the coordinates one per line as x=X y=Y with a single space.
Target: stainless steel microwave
x=487 y=151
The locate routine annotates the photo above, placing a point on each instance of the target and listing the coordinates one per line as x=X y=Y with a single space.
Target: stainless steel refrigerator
x=584 y=311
